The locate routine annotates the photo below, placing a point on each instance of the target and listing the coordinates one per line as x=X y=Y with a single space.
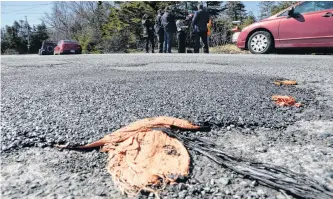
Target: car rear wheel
x=260 y=43
x=49 y=49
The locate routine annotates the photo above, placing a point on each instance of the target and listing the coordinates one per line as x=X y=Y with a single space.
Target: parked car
x=47 y=48
x=67 y=47
x=303 y=25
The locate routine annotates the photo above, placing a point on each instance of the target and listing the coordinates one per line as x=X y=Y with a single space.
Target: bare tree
x=60 y=19
x=266 y=8
x=235 y=10
x=73 y=18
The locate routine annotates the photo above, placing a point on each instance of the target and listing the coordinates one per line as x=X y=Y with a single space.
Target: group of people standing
x=165 y=27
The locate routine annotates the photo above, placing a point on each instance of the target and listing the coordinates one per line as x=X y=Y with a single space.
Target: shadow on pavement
x=299 y=51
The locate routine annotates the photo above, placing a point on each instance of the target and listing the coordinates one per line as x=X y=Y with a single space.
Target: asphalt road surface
x=77 y=99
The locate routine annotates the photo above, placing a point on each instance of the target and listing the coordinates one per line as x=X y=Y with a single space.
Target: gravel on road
x=47 y=100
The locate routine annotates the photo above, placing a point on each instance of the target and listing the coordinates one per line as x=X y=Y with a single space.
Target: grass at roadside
x=227 y=49
x=133 y=51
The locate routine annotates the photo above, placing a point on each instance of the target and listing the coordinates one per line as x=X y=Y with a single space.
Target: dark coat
x=168 y=22
x=148 y=28
x=200 y=21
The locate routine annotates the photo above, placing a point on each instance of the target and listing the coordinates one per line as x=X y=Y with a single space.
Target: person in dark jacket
x=148 y=32
x=159 y=30
x=199 y=23
x=169 y=24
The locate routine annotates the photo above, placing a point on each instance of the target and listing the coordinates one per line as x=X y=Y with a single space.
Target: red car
x=303 y=25
x=67 y=47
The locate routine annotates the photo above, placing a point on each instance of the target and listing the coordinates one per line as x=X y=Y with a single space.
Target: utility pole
x=27 y=26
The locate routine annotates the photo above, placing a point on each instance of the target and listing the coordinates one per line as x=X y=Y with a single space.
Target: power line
x=23 y=5
x=8 y=12
x=26 y=13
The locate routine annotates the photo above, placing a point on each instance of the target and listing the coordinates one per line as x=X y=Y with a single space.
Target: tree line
x=15 y=38
x=108 y=27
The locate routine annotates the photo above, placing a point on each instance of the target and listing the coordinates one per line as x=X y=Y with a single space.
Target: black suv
x=47 y=48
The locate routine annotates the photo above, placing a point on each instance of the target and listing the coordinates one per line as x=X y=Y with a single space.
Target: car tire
x=49 y=49
x=260 y=42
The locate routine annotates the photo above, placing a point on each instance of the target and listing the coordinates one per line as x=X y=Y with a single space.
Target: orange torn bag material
x=285 y=82
x=285 y=100
x=140 y=155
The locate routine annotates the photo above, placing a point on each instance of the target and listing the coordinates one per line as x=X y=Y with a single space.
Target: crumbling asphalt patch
x=44 y=106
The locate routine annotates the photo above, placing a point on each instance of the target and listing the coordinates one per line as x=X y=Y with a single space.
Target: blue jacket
x=200 y=21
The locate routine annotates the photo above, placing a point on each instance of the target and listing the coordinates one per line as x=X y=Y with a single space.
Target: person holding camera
x=148 y=32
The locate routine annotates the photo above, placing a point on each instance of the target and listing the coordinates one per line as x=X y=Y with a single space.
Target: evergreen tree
x=214 y=7
x=250 y=19
x=235 y=10
x=14 y=39
x=38 y=36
